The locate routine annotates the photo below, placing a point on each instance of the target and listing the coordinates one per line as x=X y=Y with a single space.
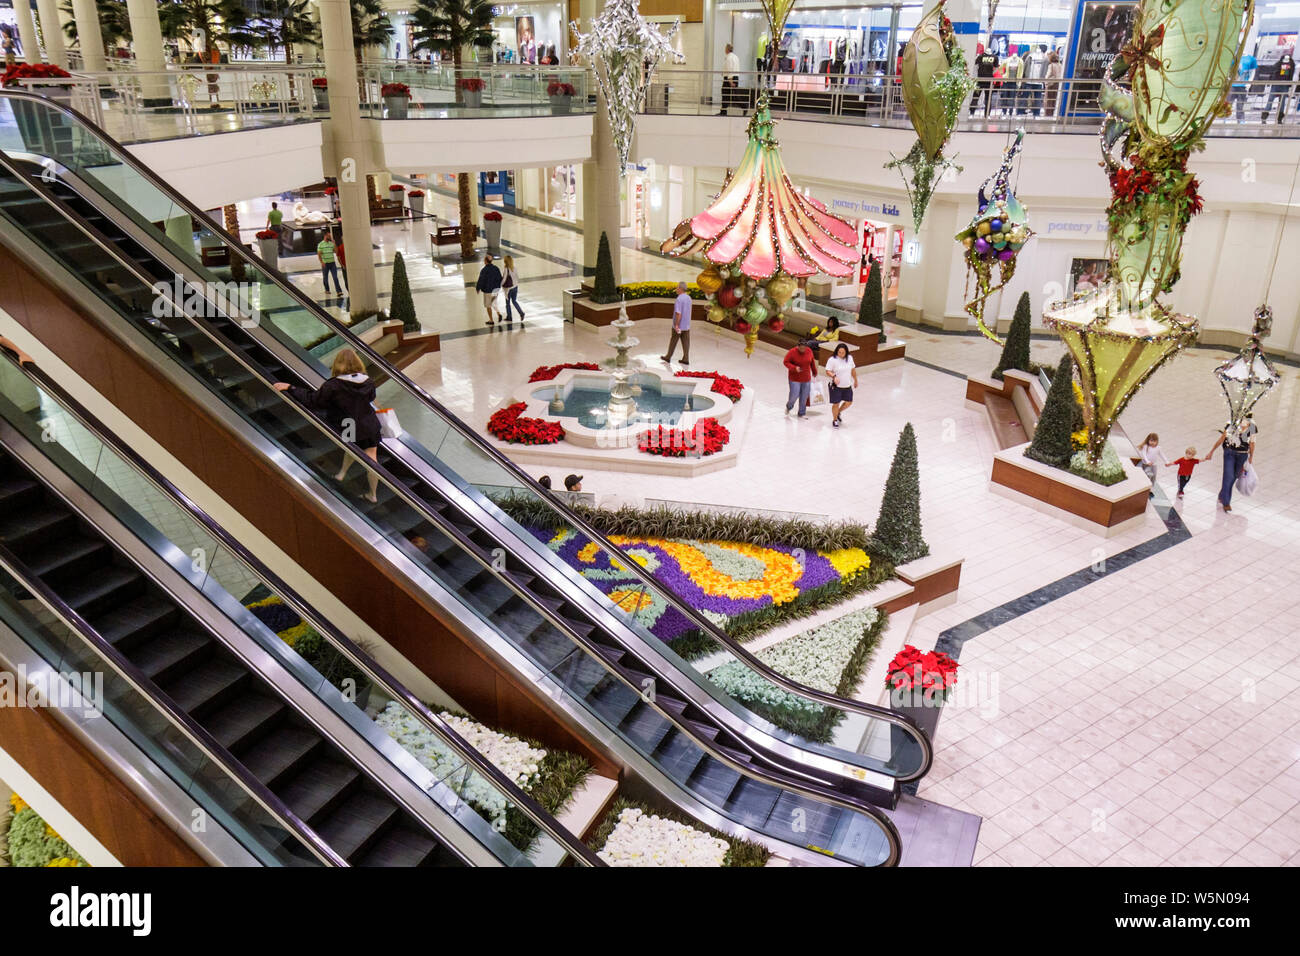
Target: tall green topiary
x=898 y=529
x=871 y=310
x=1015 y=351
x=401 y=307
x=606 y=290
x=1051 y=444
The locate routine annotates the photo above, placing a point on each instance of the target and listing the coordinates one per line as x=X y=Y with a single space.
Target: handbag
x=1248 y=480
x=389 y=426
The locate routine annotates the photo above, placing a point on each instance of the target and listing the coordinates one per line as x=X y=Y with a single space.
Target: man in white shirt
x=681 y=326
x=730 y=78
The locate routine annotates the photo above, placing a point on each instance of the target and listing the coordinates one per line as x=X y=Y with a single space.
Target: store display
x=624 y=49
x=936 y=86
x=995 y=237
x=1180 y=63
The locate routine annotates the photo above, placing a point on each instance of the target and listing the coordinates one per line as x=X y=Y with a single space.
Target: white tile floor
x=1150 y=717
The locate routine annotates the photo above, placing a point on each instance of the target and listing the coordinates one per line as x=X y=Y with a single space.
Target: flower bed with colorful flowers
x=743 y=588
x=707 y=437
x=915 y=679
x=633 y=834
x=724 y=385
x=545 y=373
x=830 y=658
x=30 y=841
x=508 y=424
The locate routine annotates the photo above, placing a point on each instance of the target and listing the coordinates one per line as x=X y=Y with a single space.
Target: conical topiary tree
x=898 y=529
x=871 y=310
x=1015 y=351
x=606 y=289
x=1051 y=444
x=401 y=307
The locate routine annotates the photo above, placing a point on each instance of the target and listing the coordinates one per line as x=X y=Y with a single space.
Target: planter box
x=270 y=251
x=492 y=231
x=416 y=203
x=396 y=106
x=560 y=105
x=472 y=99
x=1105 y=510
x=321 y=95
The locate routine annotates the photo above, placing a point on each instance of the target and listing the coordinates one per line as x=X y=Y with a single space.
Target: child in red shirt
x=1185 y=466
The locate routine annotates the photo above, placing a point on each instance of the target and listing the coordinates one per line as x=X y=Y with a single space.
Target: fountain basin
x=658 y=402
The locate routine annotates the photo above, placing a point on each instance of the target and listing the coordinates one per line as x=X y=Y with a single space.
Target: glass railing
x=443 y=92
x=868 y=737
x=310 y=649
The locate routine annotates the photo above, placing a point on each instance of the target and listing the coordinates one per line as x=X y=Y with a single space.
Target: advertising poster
x=526 y=37
x=1104 y=29
x=1088 y=275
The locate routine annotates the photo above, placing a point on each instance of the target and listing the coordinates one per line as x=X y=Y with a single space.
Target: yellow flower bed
x=849 y=562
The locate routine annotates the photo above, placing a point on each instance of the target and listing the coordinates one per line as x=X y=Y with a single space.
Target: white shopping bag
x=389 y=426
x=818 y=396
x=1248 y=480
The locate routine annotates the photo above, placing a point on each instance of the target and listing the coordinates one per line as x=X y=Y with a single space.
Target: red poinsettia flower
x=708 y=437
x=912 y=670
x=723 y=385
x=507 y=425
x=544 y=373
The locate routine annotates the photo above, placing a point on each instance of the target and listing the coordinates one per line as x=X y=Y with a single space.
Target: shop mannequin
x=986 y=61
x=1284 y=74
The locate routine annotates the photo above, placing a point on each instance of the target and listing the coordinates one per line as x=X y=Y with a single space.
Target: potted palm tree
x=447 y=27
x=396 y=97
x=561 y=96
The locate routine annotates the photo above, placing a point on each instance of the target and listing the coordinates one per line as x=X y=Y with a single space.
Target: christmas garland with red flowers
x=544 y=373
x=1156 y=175
x=933 y=672
x=507 y=425
x=724 y=385
x=706 y=438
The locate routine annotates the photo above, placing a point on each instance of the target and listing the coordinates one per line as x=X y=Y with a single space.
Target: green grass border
x=740 y=852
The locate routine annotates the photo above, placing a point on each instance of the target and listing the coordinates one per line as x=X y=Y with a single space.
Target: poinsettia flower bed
x=916 y=678
x=633 y=834
x=741 y=587
x=32 y=71
x=830 y=658
x=707 y=437
x=509 y=425
x=724 y=385
x=544 y=373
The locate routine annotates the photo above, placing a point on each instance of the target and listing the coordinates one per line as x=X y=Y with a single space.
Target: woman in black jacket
x=345 y=401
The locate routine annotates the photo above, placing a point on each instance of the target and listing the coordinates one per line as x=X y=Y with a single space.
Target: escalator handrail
x=182 y=721
x=779 y=776
x=611 y=550
x=480 y=764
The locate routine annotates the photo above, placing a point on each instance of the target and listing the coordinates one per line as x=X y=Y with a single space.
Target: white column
x=90 y=40
x=146 y=37
x=52 y=29
x=351 y=149
x=27 y=31
x=965 y=16
x=600 y=206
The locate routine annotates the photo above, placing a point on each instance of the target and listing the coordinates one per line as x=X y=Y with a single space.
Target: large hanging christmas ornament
x=1180 y=63
x=1249 y=376
x=762 y=235
x=624 y=49
x=1001 y=219
x=936 y=86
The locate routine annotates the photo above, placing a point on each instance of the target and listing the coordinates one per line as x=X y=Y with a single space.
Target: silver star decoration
x=624 y=50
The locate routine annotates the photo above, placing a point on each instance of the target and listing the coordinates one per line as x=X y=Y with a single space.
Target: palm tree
x=114 y=24
x=447 y=27
x=286 y=23
x=211 y=21
x=370 y=26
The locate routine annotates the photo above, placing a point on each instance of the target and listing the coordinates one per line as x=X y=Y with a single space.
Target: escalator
x=304 y=776
x=430 y=515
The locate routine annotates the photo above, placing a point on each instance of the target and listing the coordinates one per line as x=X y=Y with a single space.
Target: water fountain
x=622 y=391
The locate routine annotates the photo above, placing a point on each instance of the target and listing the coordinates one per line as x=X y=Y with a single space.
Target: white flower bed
x=816 y=658
x=640 y=839
x=513 y=757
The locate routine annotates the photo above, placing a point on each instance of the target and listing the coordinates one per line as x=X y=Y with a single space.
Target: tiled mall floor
x=1150 y=715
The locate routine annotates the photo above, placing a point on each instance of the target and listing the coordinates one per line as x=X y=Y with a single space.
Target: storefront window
x=559 y=192
x=821 y=38
x=530 y=33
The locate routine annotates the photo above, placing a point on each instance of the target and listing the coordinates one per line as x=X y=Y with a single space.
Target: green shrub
x=33 y=843
x=898 y=529
x=1052 y=444
x=1108 y=471
x=1015 y=350
x=606 y=290
x=740 y=852
x=401 y=307
x=871 y=310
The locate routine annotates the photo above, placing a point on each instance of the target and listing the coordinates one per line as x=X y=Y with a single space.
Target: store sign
x=1069 y=226
x=864 y=207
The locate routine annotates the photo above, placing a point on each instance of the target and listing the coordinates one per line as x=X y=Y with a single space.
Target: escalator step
x=581 y=628
x=16 y=493
x=752 y=802
x=357 y=822
x=715 y=781
x=278 y=753
x=103 y=590
x=126 y=626
x=801 y=820
x=318 y=787
x=241 y=723
x=614 y=701
x=401 y=845
x=646 y=727
x=611 y=654
x=700 y=729
x=22 y=531
x=64 y=559
x=740 y=756
x=207 y=687
x=678 y=755
x=170 y=653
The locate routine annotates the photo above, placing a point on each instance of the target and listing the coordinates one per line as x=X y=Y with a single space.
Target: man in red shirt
x=801 y=363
